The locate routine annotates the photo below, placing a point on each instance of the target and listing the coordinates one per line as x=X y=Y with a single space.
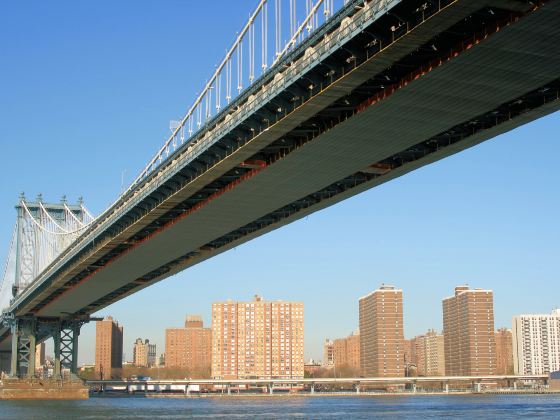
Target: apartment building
x=346 y=352
x=189 y=347
x=108 y=347
x=428 y=354
x=143 y=353
x=468 y=330
x=258 y=339
x=381 y=333
x=536 y=343
x=504 y=351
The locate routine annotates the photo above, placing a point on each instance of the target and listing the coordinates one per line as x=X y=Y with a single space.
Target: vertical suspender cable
x=228 y=80
x=208 y=102
x=292 y=17
x=218 y=91
x=251 y=52
x=264 y=35
x=241 y=66
x=239 y=86
x=278 y=24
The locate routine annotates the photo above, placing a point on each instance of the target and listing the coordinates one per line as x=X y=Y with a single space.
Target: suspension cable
x=51 y=218
x=10 y=251
x=88 y=214
x=44 y=229
x=80 y=222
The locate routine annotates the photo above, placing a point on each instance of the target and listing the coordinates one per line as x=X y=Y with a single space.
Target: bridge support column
x=271 y=388
x=27 y=332
x=24 y=338
x=57 y=372
x=313 y=388
x=447 y=388
x=358 y=390
x=69 y=332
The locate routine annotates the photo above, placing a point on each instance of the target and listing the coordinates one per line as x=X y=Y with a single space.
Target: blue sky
x=87 y=90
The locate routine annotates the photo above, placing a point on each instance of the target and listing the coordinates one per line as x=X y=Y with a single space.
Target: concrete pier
x=42 y=389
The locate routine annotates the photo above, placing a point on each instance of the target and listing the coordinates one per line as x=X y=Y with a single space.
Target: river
x=401 y=407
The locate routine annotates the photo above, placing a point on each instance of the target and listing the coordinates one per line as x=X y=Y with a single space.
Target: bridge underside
x=451 y=92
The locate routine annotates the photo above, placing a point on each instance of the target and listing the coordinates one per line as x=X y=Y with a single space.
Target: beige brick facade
x=258 y=339
x=428 y=354
x=143 y=353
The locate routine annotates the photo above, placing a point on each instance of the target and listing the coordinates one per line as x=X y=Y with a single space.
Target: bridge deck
x=474 y=83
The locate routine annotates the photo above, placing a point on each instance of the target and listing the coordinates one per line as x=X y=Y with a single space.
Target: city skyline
x=427 y=356
x=486 y=217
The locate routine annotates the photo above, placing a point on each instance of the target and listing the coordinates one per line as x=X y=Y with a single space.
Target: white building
x=536 y=343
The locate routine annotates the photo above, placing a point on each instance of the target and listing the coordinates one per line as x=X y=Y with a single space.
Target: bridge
x=362 y=92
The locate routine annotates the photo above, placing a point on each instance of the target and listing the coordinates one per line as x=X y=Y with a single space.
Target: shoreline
x=321 y=394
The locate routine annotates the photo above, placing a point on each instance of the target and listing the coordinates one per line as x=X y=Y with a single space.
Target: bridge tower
x=43 y=231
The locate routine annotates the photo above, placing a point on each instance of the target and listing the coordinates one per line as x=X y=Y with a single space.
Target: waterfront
x=465 y=406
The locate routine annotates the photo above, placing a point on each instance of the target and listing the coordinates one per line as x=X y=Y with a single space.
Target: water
x=401 y=407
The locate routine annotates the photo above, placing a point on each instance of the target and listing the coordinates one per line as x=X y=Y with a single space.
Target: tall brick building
x=381 y=333
x=189 y=347
x=468 y=329
x=108 y=347
x=258 y=339
x=346 y=352
x=504 y=351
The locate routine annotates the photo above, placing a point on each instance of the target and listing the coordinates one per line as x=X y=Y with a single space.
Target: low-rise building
x=311 y=368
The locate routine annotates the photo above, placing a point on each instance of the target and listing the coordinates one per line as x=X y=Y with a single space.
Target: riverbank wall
x=42 y=389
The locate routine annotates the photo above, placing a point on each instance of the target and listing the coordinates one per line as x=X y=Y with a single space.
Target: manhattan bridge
x=315 y=101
